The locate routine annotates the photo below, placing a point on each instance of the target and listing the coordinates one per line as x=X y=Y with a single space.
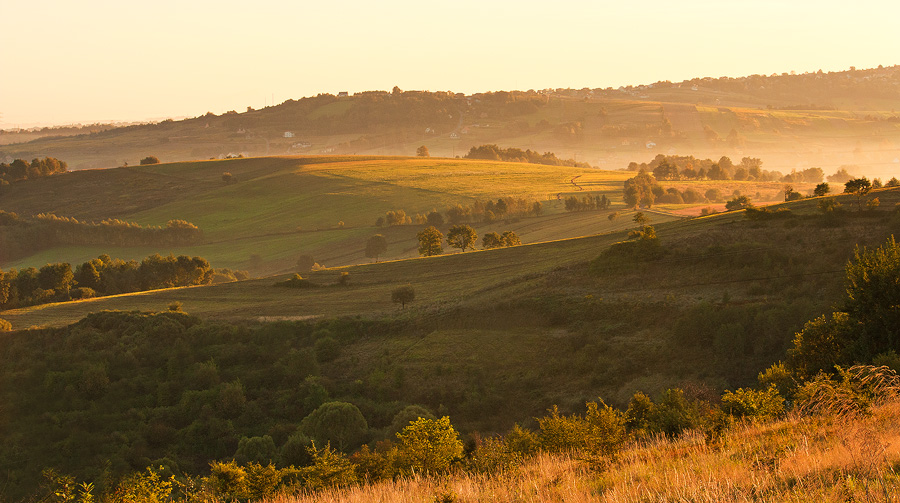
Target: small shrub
x=752 y=403
x=5 y=326
x=227 y=481
x=600 y=432
x=428 y=446
x=150 y=160
x=146 y=487
x=296 y=281
x=330 y=468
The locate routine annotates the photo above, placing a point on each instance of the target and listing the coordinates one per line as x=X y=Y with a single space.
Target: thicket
x=105 y=276
x=21 y=169
x=21 y=237
x=495 y=153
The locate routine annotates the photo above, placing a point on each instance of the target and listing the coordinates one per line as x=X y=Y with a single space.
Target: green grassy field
x=326 y=207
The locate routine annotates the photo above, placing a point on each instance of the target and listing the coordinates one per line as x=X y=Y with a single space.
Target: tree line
x=463 y=237
x=495 y=153
x=587 y=203
x=480 y=211
x=644 y=191
x=105 y=276
x=22 y=236
x=21 y=169
x=674 y=167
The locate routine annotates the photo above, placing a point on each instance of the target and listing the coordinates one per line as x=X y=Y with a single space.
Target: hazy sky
x=68 y=61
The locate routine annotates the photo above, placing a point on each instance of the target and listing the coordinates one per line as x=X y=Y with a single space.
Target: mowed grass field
x=284 y=207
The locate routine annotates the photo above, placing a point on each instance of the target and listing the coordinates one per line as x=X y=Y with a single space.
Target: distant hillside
x=269 y=212
x=790 y=121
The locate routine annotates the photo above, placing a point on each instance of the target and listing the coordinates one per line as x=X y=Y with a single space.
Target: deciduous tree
x=491 y=240
x=859 y=187
x=430 y=241
x=821 y=189
x=403 y=295
x=375 y=246
x=462 y=237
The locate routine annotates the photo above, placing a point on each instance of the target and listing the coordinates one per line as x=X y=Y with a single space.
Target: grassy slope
x=721 y=305
x=812 y=459
x=282 y=208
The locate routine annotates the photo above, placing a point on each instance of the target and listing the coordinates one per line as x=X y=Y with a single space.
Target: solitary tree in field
x=860 y=187
x=430 y=240
x=151 y=159
x=821 y=189
x=375 y=246
x=423 y=151
x=462 y=237
x=640 y=219
x=738 y=203
x=403 y=295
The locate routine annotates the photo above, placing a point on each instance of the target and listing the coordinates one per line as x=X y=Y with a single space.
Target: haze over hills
x=790 y=121
x=683 y=318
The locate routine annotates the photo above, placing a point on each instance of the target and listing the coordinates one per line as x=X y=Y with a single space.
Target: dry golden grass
x=802 y=459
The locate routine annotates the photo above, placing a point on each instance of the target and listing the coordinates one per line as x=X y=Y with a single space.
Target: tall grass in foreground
x=823 y=458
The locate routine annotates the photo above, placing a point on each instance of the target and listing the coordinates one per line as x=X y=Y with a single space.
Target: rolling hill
x=326 y=207
x=791 y=121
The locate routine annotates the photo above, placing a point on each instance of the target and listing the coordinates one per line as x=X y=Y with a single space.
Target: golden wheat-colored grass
x=800 y=459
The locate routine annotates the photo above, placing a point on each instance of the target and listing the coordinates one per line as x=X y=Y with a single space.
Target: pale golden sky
x=87 y=61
